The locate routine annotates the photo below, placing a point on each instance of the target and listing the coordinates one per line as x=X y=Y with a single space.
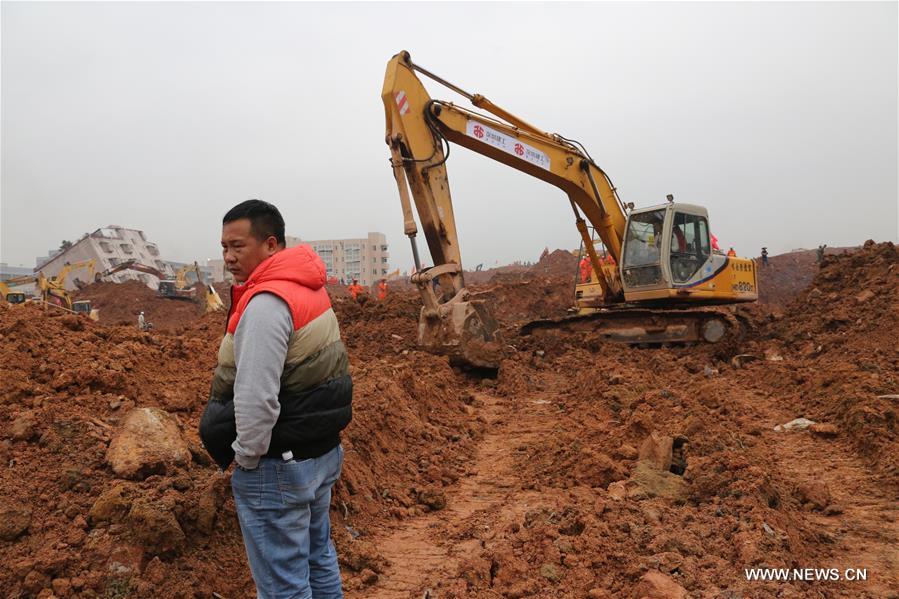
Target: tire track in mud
x=421 y=551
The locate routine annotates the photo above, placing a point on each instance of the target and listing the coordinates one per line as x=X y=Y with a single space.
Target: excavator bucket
x=465 y=331
x=453 y=324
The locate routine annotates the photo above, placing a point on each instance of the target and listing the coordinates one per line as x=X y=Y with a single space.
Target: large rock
x=148 y=442
x=655 y=585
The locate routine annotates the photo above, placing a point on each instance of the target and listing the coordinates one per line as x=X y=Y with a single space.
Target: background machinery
x=662 y=265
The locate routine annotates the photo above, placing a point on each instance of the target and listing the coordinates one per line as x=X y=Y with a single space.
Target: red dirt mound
x=838 y=341
x=120 y=303
x=787 y=275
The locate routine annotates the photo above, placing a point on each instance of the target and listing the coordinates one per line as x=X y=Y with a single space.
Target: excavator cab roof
x=675 y=206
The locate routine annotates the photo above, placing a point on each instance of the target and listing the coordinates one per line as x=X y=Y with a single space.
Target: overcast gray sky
x=780 y=118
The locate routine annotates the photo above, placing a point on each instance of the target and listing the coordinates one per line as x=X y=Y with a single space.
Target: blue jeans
x=282 y=507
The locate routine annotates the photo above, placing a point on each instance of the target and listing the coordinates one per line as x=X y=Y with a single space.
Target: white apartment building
x=366 y=259
x=109 y=246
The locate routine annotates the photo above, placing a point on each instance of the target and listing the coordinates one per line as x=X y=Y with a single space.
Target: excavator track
x=647 y=326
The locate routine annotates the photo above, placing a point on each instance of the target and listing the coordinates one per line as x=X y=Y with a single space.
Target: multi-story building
x=108 y=247
x=366 y=259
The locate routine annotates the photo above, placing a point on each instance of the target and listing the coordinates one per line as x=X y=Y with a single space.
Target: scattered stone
x=814 y=493
x=647 y=481
x=23 y=428
x=368 y=577
x=667 y=561
x=550 y=572
x=824 y=429
x=155 y=571
x=62 y=587
x=741 y=360
x=125 y=560
x=111 y=506
x=207 y=509
x=656 y=451
x=598 y=594
x=433 y=498
x=708 y=371
x=156 y=527
x=655 y=585
x=768 y=530
x=627 y=452
x=14 y=521
x=395 y=336
x=864 y=296
x=617 y=490
x=833 y=510
x=146 y=443
x=799 y=424
x=773 y=356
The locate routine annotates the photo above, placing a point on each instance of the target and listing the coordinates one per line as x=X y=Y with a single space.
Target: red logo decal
x=478 y=131
x=519 y=149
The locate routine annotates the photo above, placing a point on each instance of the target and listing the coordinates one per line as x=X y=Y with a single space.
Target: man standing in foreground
x=280 y=396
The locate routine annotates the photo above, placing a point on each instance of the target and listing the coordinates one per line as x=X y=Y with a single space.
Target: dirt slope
x=537 y=483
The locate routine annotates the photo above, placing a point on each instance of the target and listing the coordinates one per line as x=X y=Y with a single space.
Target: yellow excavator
x=664 y=265
x=15 y=297
x=52 y=293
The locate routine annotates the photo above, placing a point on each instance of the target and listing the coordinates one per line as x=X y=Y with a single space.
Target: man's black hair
x=265 y=219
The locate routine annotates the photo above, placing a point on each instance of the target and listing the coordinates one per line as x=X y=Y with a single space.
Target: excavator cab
x=667 y=255
x=16 y=298
x=85 y=307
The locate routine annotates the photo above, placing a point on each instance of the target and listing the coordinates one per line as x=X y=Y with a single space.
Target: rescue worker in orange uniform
x=356 y=289
x=382 y=290
x=731 y=253
x=585 y=269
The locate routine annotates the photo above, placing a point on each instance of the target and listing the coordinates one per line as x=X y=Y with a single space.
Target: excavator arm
x=419 y=130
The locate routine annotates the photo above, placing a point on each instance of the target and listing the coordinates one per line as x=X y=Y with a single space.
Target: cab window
x=644 y=236
x=690 y=246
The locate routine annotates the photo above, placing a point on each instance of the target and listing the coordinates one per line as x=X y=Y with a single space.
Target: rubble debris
x=797 y=424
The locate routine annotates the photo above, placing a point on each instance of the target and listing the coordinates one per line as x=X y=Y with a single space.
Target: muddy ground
x=582 y=469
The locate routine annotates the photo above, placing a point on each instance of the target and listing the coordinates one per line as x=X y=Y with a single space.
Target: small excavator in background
x=52 y=292
x=664 y=265
x=15 y=297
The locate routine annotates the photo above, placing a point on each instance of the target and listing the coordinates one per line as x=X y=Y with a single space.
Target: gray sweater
x=260 y=349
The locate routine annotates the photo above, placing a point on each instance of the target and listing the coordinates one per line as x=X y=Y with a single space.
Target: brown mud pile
x=582 y=469
x=120 y=304
x=838 y=341
x=788 y=274
x=79 y=530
